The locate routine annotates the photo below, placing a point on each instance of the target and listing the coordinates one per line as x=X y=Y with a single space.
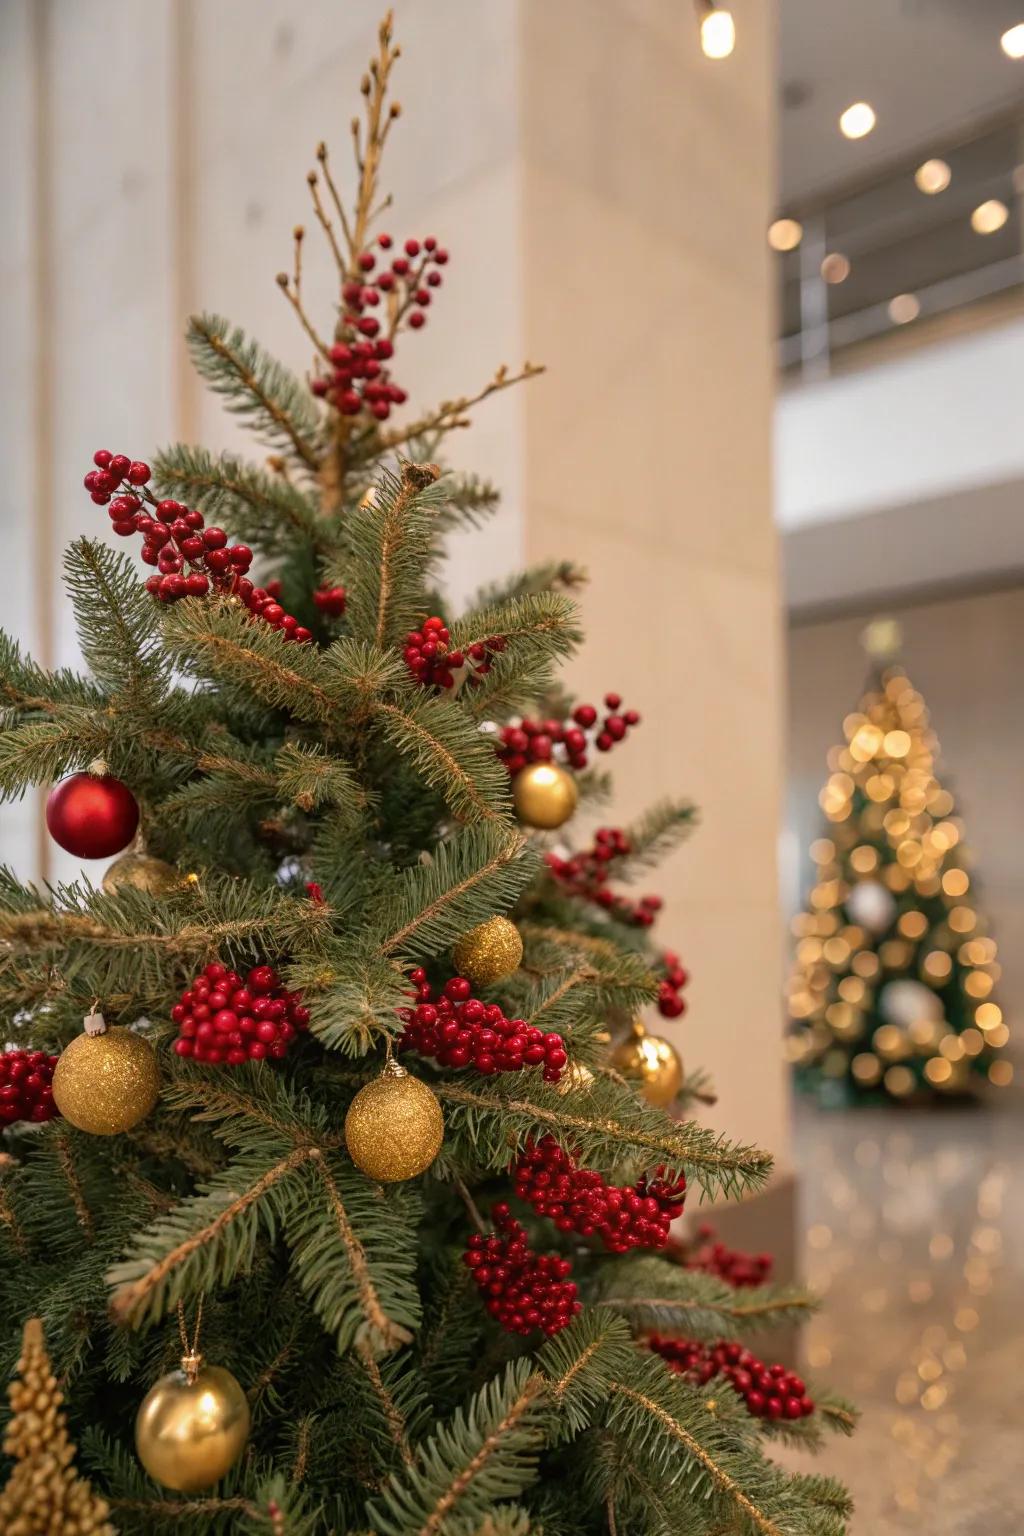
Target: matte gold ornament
x=192 y=1425
x=44 y=1494
x=489 y=952
x=654 y=1061
x=106 y=1080
x=141 y=872
x=394 y=1127
x=544 y=795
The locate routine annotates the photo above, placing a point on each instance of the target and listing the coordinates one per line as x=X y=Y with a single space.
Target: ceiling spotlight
x=904 y=308
x=1012 y=42
x=785 y=234
x=857 y=120
x=717 y=32
x=835 y=268
x=933 y=176
x=989 y=216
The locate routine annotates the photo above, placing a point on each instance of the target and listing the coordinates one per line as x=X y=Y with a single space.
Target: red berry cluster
x=112 y=469
x=578 y=1199
x=223 y=1018
x=175 y=536
x=587 y=874
x=25 y=1092
x=739 y=1269
x=523 y=1290
x=671 y=1003
x=431 y=662
x=458 y=1030
x=543 y=741
x=331 y=601
x=360 y=379
x=770 y=1391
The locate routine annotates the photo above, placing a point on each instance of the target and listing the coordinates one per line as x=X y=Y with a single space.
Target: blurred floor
x=913 y=1236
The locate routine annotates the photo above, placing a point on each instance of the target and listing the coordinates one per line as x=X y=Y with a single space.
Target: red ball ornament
x=92 y=815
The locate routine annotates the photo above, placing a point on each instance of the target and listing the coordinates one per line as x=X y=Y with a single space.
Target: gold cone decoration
x=44 y=1493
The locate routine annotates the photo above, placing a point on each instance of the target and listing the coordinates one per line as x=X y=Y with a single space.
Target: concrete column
x=647 y=178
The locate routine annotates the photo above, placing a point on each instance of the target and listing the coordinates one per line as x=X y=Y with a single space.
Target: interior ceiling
x=928 y=67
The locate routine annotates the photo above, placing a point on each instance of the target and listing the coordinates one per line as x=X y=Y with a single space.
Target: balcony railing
x=898 y=255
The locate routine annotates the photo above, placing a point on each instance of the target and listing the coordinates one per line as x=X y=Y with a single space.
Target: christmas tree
x=891 y=994
x=357 y=1126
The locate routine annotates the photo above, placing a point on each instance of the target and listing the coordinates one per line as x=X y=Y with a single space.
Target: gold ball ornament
x=192 y=1426
x=544 y=795
x=489 y=952
x=654 y=1061
x=106 y=1080
x=394 y=1127
x=141 y=872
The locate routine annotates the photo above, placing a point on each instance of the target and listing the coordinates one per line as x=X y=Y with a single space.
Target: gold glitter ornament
x=489 y=952
x=44 y=1494
x=141 y=872
x=193 y=1424
x=106 y=1080
x=544 y=795
x=654 y=1061
x=394 y=1127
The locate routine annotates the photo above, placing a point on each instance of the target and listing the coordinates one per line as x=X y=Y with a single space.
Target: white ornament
x=871 y=906
x=906 y=1002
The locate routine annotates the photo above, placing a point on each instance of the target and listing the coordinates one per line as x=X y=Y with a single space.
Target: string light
x=1012 y=41
x=717 y=32
x=904 y=308
x=932 y=177
x=785 y=234
x=989 y=217
x=857 y=121
x=836 y=267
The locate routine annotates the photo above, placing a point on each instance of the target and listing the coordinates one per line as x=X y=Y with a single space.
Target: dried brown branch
x=452 y=413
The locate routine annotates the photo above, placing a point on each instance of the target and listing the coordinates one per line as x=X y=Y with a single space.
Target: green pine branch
x=485 y=1453
x=277 y=405
x=610 y=1127
x=676 y=1438
x=551 y=576
x=117 y=621
x=262 y=509
x=478 y=872
x=392 y=544
x=654 y=1294
x=538 y=632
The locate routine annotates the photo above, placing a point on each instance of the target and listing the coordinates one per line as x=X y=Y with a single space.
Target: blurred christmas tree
x=338 y=794
x=891 y=994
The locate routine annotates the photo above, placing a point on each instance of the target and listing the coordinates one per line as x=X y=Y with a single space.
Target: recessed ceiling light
x=717 y=33
x=933 y=176
x=835 y=268
x=785 y=234
x=1012 y=41
x=904 y=308
x=989 y=216
x=857 y=120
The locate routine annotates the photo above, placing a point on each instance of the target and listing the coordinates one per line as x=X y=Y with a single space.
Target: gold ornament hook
x=191 y=1359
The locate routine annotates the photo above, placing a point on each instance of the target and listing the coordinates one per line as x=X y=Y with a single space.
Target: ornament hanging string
x=190 y=1356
